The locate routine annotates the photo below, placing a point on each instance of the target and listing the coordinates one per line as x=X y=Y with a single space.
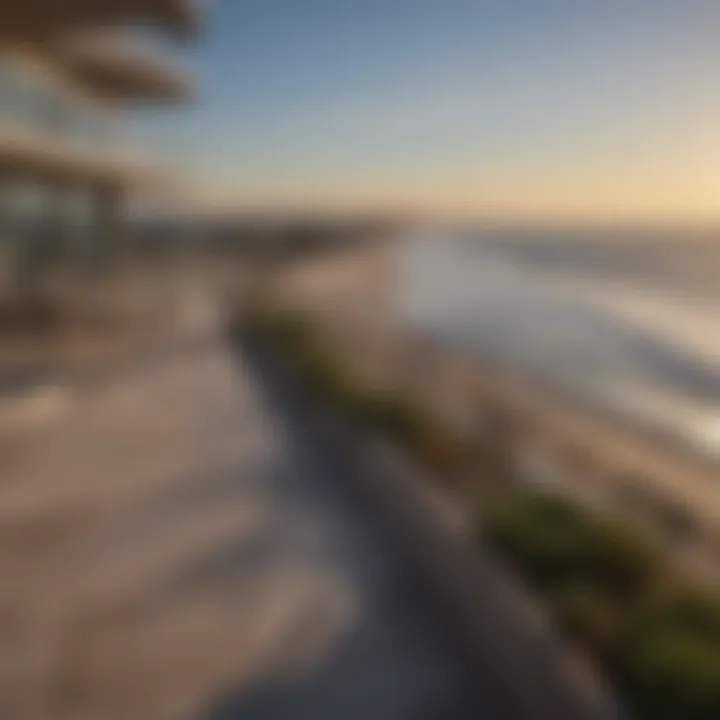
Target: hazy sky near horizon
x=532 y=108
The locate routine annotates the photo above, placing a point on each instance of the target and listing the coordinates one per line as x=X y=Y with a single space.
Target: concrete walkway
x=171 y=550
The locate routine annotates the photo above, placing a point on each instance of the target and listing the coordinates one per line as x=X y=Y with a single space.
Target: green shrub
x=620 y=561
x=390 y=414
x=290 y=332
x=605 y=584
x=538 y=533
x=321 y=374
x=681 y=608
x=597 y=623
x=674 y=676
x=431 y=443
x=555 y=543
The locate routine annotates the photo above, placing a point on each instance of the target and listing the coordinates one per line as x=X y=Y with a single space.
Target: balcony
x=38 y=20
x=121 y=67
x=36 y=104
x=45 y=129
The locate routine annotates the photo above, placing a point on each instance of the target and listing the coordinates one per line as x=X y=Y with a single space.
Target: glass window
x=27 y=100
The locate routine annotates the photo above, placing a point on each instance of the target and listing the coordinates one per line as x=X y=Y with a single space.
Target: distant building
x=67 y=71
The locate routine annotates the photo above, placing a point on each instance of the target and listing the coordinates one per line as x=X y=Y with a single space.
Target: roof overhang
x=38 y=20
x=25 y=153
x=115 y=67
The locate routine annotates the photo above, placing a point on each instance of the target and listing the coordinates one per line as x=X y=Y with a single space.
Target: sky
x=534 y=109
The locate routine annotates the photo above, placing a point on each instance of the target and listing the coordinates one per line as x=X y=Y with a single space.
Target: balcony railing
x=38 y=107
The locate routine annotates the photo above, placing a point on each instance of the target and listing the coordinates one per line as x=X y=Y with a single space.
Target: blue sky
x=539 y=108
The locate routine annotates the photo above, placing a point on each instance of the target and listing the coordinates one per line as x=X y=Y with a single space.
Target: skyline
x=569 y=111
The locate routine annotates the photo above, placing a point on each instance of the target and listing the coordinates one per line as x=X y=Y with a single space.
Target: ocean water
x=629 y=322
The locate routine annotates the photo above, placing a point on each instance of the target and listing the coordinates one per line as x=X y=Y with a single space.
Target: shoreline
x=351 y=296
x=604 y=336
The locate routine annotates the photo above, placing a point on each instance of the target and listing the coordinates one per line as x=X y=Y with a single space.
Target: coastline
x=593 y=454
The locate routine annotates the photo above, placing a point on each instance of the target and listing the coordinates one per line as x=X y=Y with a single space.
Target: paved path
x=170 y=550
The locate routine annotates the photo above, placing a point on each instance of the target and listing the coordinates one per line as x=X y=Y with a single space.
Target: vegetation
x=388 y=413
x=609 y=588
x=605 y=584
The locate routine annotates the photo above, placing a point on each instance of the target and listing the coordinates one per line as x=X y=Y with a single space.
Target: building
x=68 y=70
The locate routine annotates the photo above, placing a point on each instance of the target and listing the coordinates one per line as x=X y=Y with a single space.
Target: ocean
x=627 y=321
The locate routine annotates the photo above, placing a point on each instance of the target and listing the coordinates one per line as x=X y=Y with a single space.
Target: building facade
x=68 y=73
